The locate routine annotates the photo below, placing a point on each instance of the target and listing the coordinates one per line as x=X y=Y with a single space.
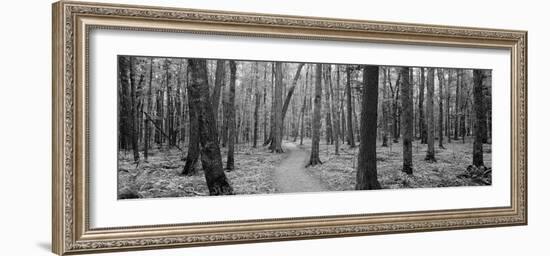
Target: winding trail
x=291 y=175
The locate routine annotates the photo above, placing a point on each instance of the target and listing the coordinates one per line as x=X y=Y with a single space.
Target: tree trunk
x=463 y=104
x=457 y=103
x=183 y=103
x=304 y=105
x=123 y=103
x=448 y=119
x=296 y=125
x=225 y=127
x=411 y=77
x=343 y=122
x=487 y=85
x=159 y=116
x=149 y=109
x=269 y=140
x=334 y=113
x=355 y=120
x=219 y=83
x=265 y=101
x=256 y=107
x=138 y=108
x=351 y=138
x=384 y=108
x=479 y=76
x=278 y=111
x=302 y=122
x=243 y=129
x=193 y=148
x=407 y=121
x=395 y=106
x=366 y=163
x=177 y=105
x=430 y=155
x=314 y=157
x=208 y=135
x=441 y=81
x=487 y=104
x=287 y=100
x=134 y=113
x=421 y=121
x=328 y=109
x=169 y=111
x=292 y=88
x=231 y=117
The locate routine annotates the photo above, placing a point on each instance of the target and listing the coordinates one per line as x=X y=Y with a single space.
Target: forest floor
x=449 y=170
x=160 y=175
x=258 y=171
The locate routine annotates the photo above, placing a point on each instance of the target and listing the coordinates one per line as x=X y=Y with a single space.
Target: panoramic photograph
x=192 y=127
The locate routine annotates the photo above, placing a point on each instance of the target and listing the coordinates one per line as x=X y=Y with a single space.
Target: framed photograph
x=179 y=127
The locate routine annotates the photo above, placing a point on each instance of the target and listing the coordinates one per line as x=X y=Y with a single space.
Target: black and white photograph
x=198 y=127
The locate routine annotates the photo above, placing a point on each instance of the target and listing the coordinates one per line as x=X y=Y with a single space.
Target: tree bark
x=123 y=103
x=479 y=76
x=384 y=108
x=441 y=81
x=134 y=112
x=457 y=103
x=208 y=135
x=302 y=121
x=169 y=108
x=231 y=116
x=265 y=101
x=343 y=122
x=159 y=116
x=278 y=110
x=407 y=121
x=149 y=108
x=430 y=155
x=269 y=140
x=193 y=149
x=351 y=138
x=177 y=105
x=366 y=163
x=355 y=102
x=464 y=110
x=448 y=105
x=395 y=106
x=421 y=121
x=256 y=106
x=333 y=111
x=225 y=127
x=219 y=83
x=487 y=85
x=304 y=105
x=314 y=157
x=328 y=108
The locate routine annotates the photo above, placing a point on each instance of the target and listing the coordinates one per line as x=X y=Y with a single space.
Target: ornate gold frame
x=73 y=20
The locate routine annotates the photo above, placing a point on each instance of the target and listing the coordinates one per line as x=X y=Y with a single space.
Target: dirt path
x=291 y=175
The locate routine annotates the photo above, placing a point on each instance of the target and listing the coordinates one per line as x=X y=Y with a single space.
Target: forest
x=198 y=127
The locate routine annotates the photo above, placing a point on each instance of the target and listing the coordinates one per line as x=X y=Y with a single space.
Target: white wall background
x=25 y=114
